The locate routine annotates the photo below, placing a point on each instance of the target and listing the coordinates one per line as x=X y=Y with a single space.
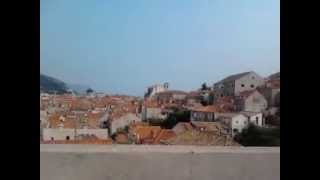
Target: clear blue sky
x=123 y=46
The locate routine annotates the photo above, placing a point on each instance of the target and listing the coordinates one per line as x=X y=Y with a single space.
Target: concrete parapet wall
x=61 y=134
x=104 y=162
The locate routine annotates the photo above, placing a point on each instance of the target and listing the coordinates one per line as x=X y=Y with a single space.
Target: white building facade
x=122 y=122
x=50 y=134
x=152 y=90
x=234 y=121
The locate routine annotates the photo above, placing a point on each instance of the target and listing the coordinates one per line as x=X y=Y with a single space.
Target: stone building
x=152 y=90
x=119 y=122
x=272 y=95
x=255 y=118
x=204 y=113
x=152 y=110
x=251 y=101
x=235 y=122
x=271 y=91
x=235 y=84
x=171 y=96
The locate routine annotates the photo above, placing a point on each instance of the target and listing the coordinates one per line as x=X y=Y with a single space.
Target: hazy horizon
x=122 y=47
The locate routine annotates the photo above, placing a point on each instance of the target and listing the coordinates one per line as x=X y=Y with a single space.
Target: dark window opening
x=252 y=86
x=242 y=85
x=235 y=131
x=257 y=120
x=52 y=139
x=68 y=138
x=104 y=124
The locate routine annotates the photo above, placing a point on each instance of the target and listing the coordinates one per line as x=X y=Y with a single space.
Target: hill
x=50 y=85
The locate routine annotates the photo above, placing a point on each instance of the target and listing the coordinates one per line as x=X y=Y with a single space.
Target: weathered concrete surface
x=93 y=162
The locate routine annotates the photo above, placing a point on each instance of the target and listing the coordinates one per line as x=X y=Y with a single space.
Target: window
x=256 y=100
x=237 y=122
x=52 y=139
x=252 y=86
x=252 y=77
x=235 y=131
x=242 y=85
x=221 y=95
x=194 y=114
x=68 y=138
x=257 y=120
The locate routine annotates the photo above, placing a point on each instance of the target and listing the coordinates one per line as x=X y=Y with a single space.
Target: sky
x=124 y=46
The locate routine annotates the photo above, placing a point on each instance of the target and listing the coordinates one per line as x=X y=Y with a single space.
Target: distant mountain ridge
x=51 y=85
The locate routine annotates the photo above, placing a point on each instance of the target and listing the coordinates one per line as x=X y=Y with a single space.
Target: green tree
x=89 y=91
x=258 y=136
x=175 y=118
x=204 y=87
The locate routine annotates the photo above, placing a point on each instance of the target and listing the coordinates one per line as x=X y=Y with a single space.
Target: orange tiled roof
x=164 y=135
x=151 y=104
x=93 y=119
x=69 y=122
x=119 y=110
x=211 y=108
x=150 y=134
x=225 y=99
x=81 y=104
x=225 y=103
x=122 y=138
x=145 y=132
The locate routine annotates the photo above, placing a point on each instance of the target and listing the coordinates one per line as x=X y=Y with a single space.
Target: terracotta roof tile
x=164 y=135
x=121 y=138
x=211 y=108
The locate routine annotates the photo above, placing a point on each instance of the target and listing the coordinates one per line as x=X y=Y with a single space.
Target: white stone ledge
x=81 y=148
